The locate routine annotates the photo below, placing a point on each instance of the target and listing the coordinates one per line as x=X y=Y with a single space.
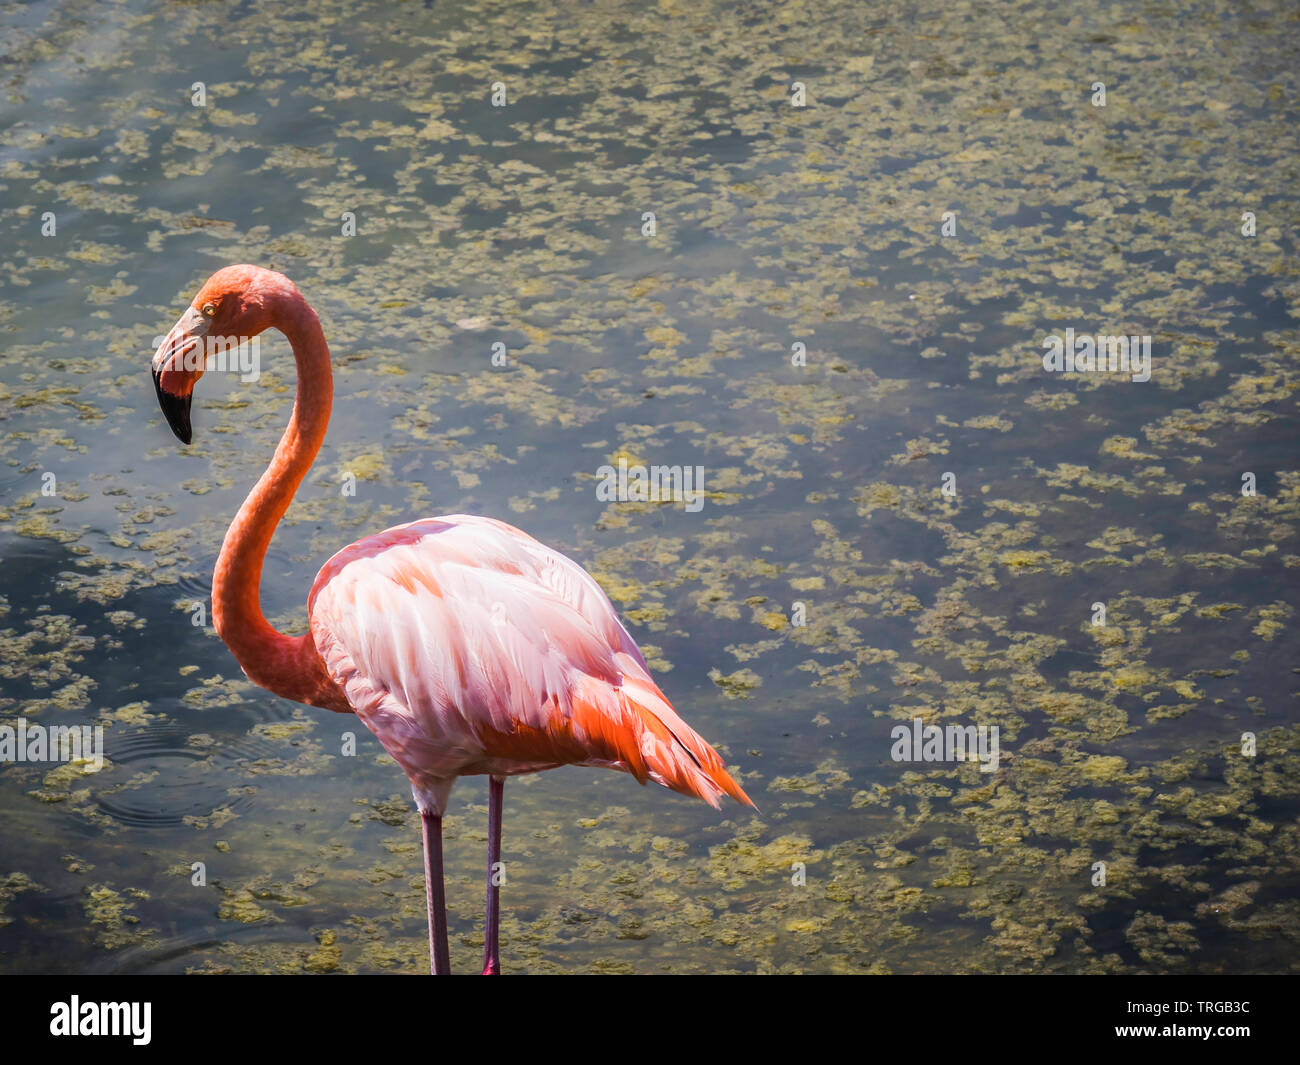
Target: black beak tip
x=176 y=409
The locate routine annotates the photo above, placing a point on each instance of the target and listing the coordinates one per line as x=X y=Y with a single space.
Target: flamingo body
x=466 y=647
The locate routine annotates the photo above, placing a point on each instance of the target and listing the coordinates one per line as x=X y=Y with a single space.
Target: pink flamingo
x=462 y=643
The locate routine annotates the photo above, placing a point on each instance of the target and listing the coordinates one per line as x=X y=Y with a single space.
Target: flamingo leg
x=435 y=895
x=491 y=958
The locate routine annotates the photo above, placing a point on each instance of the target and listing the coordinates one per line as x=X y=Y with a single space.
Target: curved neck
x=286 y=665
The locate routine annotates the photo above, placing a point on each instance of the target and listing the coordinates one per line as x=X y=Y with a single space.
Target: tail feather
x=676 y=755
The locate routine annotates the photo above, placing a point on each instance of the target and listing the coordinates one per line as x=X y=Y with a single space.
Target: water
x=1121 y=743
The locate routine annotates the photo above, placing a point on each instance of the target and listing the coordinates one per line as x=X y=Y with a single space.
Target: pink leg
x=435 y=895
x=491 y=959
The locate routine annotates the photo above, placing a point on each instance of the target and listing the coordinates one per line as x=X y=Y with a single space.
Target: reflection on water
x=231 y=831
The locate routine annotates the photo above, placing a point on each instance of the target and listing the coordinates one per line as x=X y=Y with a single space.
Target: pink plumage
x=468 y=647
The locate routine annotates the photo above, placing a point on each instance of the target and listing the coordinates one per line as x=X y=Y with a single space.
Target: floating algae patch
x=739 y=861
x=10 y=887
x=112 y=915
x=738 y=685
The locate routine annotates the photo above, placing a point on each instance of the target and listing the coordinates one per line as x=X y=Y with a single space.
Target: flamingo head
x=235 y=304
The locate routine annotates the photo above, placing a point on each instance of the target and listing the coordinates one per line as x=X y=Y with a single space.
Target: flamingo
x=466 y=646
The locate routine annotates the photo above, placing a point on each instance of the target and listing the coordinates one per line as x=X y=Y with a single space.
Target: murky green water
x=1121 y=743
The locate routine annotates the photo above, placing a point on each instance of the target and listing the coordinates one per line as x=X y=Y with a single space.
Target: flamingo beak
x=177 y=365
x=176 y=409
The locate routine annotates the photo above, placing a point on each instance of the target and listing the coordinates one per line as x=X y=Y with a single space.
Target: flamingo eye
x=208 y=310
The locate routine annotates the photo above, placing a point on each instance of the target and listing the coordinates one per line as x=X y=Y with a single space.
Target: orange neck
x=289 y=666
